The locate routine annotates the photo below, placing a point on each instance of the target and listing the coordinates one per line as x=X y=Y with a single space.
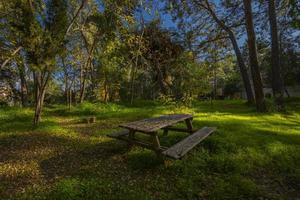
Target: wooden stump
x=92 y=119
x=89 y=120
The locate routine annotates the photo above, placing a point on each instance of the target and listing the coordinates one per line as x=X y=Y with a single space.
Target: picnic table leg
x=156 y=145
x=189 y=125
x=131 y=138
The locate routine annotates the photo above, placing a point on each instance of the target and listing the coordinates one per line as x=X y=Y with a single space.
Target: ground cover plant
x=251 y=155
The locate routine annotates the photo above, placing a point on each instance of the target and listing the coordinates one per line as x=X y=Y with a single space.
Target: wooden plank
x=144 y=144
x=118 y=134
x=178 y=129
x=148 y=145
x=181 y=148
x=154 y=124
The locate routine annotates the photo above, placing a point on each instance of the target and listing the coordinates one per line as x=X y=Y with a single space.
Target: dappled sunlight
x=11 y=170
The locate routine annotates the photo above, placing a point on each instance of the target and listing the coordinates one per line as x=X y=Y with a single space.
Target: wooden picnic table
x=151 y=126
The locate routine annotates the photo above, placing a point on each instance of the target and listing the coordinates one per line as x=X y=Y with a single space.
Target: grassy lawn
x=250 y=155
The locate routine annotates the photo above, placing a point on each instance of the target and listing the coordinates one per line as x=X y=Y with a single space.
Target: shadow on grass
x=19 y=155
x=34 y=158
x=91 y=161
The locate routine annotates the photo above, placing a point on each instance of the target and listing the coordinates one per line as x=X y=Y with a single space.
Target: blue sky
x=157 y=12
x=167 y=22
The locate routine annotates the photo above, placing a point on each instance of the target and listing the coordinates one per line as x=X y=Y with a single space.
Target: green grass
x=250 y=156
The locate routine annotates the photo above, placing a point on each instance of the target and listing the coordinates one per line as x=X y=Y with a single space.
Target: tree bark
x=105 y=85
x=67 y=88
x=66 y=79
x=215 y=84
x=40 y=81
x=132 y=84
x=287 y=92
x=162 y=84
x=38 y=107
x=82 y=84
x=67 y=92
x=257 y=81
x=237 y=51
x=243 y=69
x=70 y=99
x=23 y=85
x=277 y=82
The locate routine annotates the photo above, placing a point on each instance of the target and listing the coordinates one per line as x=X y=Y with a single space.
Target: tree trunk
x=237 y=51
x=287 y=92
x=82 y=85
x=242 y=67
x=23 y=85
x=105 y=89
x=277 y=82
x=70 y=98
x=66 y=89
x=38 y=106
x=132 y=84
x=66 y=79
x=40 y=83
x=82 y=91
x=161 y=82
x=215 y=84
x=257 y=82
x=15 y=92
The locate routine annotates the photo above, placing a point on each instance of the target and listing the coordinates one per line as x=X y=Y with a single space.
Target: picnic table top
x=154 y=124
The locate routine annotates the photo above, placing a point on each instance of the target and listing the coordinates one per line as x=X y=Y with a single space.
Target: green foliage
x=232 y=85
x=41 y=30
x=294 y=12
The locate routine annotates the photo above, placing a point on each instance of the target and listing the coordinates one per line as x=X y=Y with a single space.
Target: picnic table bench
x=151 y=126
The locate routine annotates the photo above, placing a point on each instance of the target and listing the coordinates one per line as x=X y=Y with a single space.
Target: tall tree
x=41 y=29
x=277 y=82
x=257 y=81
x=196 y=8
x=52 y=39
x=240 y=60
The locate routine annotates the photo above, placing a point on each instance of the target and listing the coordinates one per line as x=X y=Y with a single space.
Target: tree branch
x=12 y=55
x=76 y=15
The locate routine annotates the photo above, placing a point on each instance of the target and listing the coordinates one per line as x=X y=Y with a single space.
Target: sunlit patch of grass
x=13 y=170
